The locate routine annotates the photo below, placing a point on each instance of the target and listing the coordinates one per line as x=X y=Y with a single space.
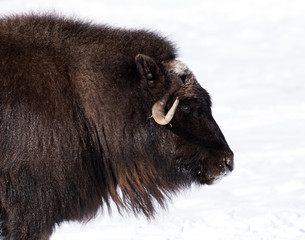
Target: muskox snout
x=229 y=163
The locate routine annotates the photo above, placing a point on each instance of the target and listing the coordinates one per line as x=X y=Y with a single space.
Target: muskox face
x=201 y=152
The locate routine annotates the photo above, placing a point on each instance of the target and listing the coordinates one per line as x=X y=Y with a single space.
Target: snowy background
x=250 y=56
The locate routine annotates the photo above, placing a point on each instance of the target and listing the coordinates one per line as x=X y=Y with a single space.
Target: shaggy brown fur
x=75 y=129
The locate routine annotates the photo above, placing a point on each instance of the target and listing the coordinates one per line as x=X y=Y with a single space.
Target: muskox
x=91 y=114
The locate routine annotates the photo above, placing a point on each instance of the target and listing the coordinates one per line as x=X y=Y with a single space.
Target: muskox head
x=199 y=151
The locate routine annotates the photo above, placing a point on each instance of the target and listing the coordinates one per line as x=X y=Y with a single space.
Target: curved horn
x=158 y=111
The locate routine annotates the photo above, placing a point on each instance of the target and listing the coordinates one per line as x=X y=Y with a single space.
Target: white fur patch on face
x=178 y=67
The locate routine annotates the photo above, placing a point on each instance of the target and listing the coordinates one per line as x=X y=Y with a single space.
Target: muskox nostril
x=229 y=164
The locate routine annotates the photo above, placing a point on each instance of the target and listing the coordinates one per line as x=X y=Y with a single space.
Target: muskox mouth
x=203 y=176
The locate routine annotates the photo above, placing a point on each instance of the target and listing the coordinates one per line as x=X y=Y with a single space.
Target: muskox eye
x=186 y=108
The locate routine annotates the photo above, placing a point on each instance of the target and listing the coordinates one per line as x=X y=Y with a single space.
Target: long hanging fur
x=66 y=143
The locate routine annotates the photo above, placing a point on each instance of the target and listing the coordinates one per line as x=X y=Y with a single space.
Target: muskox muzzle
x=212 y=166
x=229 y=163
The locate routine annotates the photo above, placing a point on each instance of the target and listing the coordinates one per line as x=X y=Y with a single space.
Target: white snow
x=250 y=56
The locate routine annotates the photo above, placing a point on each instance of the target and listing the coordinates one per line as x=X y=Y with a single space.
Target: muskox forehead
x=177 y=67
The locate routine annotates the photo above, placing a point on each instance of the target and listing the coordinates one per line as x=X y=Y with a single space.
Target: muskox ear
x=146 y=66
